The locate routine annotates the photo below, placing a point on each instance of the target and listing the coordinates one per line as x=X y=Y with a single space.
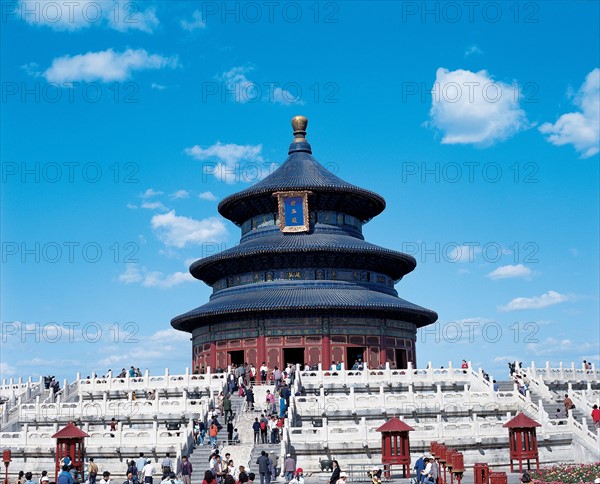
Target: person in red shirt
x=596 y=416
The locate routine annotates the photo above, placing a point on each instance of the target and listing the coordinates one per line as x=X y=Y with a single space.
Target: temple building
x=303 y=286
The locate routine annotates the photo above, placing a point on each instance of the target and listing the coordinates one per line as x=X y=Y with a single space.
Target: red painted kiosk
x=523 y=441
x=482 y=473
x=69 y=443
x=395 y=446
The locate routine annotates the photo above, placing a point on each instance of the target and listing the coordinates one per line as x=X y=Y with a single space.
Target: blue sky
x=124 y=124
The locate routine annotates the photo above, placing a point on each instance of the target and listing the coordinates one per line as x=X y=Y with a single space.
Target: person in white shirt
x=231 y=470
x=264 y=371
x=425 y=472
x=105 y=478
x=148 y=471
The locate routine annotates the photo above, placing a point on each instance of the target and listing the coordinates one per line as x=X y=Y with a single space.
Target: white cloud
x=154 y=206
x=180 y=194
x=473 y=49
x=282 y=96
x=537 y=302
x=7 y=370
x=132 y=206
x=150 y=192
x=581 y=128
x=120 y=15
x=105 y=66
x=134 y=275
x=241 y=88
x=551 y=346
x=510 y=271
x=234 y=163
x=170 y=335
x=471 y=108
x=196 y=23
x=176 y=231
x=210 y=196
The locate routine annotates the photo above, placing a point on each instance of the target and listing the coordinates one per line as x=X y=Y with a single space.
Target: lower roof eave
x=188 y=322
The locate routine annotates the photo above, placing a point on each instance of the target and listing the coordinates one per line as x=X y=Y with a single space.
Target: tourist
x=596 y=416
x=202 y=429
x=335 y=475
x=235 y=438
x=231 y=470
x=113 y=425
x=105 y=478
x=263 y=462
x=185 y=470
x=167 y=465
x=375 y=475
x=252 y=374
x=28 y=477
x=229 y=432
x=220 y=399
x=299 y=477
x=465 y=366
x=140 y=463
x=525 y=477
x=426 y=473
x=209 y=478
x=289 y=467
x=130 y=478
x=251 y=477
x=270 y=402
x=256 y=428
x=92 y=471
x=242 y=475
x=282 y=405
x=418 y=468
x=264 y=370
x=277 y=376
x=213 y=431
x=44 y=477
x=285 y=394
x=264 y=426
x=213 y=463
x=230 y=382
x=64 y=477
x=274 y=430
x=273 y=466
x=568 y=403
x=435 y=471
x=148 y=471
x=496 y=386
x=250 y=400
x=227 y=413
x=133 y=469
x=220 y=468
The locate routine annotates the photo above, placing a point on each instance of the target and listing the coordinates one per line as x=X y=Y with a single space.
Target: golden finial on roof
x=299 y=123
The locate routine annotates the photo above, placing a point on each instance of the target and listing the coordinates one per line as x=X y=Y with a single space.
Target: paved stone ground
x=324 y=478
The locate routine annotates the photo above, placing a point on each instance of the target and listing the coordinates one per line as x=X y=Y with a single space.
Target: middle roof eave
x=278 y=243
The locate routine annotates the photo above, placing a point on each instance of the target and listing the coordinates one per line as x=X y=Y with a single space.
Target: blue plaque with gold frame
x=293 y=211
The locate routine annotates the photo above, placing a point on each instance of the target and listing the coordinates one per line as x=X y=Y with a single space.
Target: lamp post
x=6 y=458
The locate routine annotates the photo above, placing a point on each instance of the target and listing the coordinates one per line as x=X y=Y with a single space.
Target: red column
x=261 y=343
x=383 y=351
x=212 y=356
x=326 y=352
